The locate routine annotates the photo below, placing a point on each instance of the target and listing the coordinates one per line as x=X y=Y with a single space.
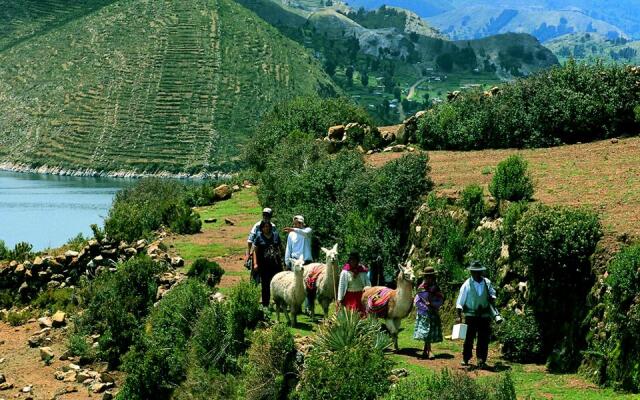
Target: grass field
x=602 y=176
x=141 y=84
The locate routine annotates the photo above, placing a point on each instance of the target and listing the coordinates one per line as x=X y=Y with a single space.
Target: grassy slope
x=141 y=84
x=590 y=47
x=225 y=244
x=602 y=176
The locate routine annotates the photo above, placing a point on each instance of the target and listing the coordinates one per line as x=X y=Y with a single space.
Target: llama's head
x=297 y=264
x=331 y=254
x=406 y=273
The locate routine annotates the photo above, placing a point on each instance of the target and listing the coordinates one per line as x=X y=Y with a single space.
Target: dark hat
x=429 y=271
x=476 y=265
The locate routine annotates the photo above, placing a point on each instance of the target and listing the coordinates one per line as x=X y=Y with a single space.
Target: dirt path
x=22 y=366
x=412 y=89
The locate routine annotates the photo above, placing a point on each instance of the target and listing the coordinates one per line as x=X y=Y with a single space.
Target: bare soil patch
x=603 y=176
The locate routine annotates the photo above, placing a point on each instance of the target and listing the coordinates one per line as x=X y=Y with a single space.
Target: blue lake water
x=48 y=210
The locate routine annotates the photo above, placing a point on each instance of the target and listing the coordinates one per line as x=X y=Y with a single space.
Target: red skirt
x=353 y=301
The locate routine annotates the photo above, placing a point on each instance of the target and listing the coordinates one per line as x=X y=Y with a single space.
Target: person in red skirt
x=353 y=279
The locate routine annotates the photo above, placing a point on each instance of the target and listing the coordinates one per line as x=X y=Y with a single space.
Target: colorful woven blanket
x=311 y=280
x=377 y=304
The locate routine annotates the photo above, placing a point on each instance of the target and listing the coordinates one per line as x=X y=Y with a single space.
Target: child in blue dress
x=428 y=301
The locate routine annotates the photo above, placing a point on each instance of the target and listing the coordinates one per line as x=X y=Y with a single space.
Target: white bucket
x=459 y=332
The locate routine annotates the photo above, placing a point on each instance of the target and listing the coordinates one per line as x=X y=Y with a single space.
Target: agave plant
x=346 y=329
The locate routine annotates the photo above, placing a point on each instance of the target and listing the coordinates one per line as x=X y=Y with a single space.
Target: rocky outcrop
x=52 y=272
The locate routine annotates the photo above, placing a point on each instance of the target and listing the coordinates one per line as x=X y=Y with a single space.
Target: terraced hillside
x=145 y=85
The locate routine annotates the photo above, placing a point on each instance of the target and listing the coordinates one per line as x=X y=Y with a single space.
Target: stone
x=38 y=261
x=83 y=376
x=229 y=221
x=24 y=288
x=19 y=271
x=130 y=252
x=27 y=389
x=2 y=378
x=107 y=396
x=59 y=319
x=210 y=220
x=222 y=192
x=59 y=375
x=71 y=254
x=65 y=390
x=98 y=387
x=46 y=353
x=45 y=322
x=6 y=386
x=53 y=284
x=35 y=340
x=336 y=132
x=106 y=378
x=614 y=140
x=236 y=188
x=177 y=262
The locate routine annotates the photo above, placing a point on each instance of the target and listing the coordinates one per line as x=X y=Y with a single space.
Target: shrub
x=447 y=385
x=79 y=347
x=511 y=180
x=636 y=113
x=17 y=318
x=512 y=215
x=485 y=246
x=139 y=210
x=244 y=314
x=347 y=361
x=4 y=251
x=556 y=244
x=566 y=104
x=311 y=115
x=158 y=363
x=201 y=384
x=211 y=341
x=473 y=202
x=21 y=251
x=520 y=338
x=207 y=271
x=76 y=243
x=56 y=299
x=621 y=350
x=269 y=367
x=116 y=303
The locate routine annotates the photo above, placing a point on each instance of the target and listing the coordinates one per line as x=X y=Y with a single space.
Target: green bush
x=311 y=115
x=17 y=318
x=207 y=271
x=556 y=244
x=158 y=362
x=244 y=314
x=447 y=385
x=566 y=104
x=347 y=360
x=485 y=246
x=620 y=352
x=636 y=112
x=76 y=243
x=21 y=252
x=472 y=200
x=4 y=251
x=79 y=347
x=211 y=341
x=512 y=180
x=512 y=215
x=520 y=338
x=116 y=303
x=270 y=364
x=201 y=384
x=152 y=203
x=56 y=299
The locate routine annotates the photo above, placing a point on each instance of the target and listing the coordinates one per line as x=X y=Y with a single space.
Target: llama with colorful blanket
x=392 y=305
x=320 y=281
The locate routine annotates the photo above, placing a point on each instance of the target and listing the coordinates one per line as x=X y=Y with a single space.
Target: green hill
x=141 y=84
x=592 y=47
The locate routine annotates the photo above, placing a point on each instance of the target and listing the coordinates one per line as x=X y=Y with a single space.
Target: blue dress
x=428 y=325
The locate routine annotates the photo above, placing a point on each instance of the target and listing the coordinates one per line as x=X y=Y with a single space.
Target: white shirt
x=351 y=283
x=255 y=229
x=479 y=286
x=298 y=244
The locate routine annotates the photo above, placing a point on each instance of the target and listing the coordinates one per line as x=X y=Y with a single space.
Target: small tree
x=512 y=180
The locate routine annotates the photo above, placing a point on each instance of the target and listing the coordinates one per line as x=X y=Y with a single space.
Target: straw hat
x=475 y=265
x=429 y=271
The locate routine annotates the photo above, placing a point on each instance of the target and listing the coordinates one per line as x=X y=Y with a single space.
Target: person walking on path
x=267 y=257
x=475 y=300
x=428 y=300
x=253 y=234
x=353 y=279
x=299 y=245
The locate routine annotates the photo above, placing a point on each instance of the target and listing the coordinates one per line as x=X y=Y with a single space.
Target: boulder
x=71 y=254
x=222 y=192
x=236 y=188
x=59 y=319
x=210 y=220
x=177 y=262
x=336 y=133
x=130 y=252
x=229 y=221
x=45 y=322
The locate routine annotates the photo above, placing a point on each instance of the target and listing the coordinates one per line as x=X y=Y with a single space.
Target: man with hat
x=266 y=217
x=475 y=301
x=299 y=245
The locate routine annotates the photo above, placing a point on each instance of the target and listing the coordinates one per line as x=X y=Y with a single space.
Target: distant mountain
x=623 y=15
x=141 y=85
x=592 y=47
x=479 y=21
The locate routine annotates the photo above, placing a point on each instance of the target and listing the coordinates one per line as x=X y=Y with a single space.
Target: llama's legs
x=393 y=331
x=396 y=323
